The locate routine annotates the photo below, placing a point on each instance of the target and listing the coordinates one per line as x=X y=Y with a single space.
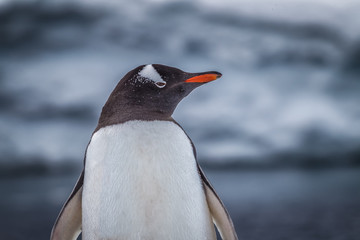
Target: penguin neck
x=119 y=113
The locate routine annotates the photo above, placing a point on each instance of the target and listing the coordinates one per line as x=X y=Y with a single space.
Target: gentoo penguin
x=141 y=179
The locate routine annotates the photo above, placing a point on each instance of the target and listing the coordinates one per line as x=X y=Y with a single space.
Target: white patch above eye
x=150 y=73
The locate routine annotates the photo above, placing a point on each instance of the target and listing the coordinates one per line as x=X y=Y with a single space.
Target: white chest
x=141 y=182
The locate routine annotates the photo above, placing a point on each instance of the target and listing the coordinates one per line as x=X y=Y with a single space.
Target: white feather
x=141 y=182
x=150 y=73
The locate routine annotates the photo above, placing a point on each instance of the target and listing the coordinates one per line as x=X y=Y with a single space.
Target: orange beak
x=204 y=78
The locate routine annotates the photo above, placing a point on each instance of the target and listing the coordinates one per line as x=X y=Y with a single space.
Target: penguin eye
x=160 y=84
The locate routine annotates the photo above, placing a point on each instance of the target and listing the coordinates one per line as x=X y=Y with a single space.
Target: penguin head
x=156 y=89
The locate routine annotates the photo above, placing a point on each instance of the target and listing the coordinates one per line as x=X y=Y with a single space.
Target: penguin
x=141 y=178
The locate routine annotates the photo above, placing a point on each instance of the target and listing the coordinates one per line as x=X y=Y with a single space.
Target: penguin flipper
x=221 y=217
x=68 y=223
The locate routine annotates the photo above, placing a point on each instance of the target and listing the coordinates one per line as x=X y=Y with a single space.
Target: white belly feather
x=141 y=182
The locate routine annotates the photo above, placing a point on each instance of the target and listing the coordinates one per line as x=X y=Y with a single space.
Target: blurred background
x=278 y=135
